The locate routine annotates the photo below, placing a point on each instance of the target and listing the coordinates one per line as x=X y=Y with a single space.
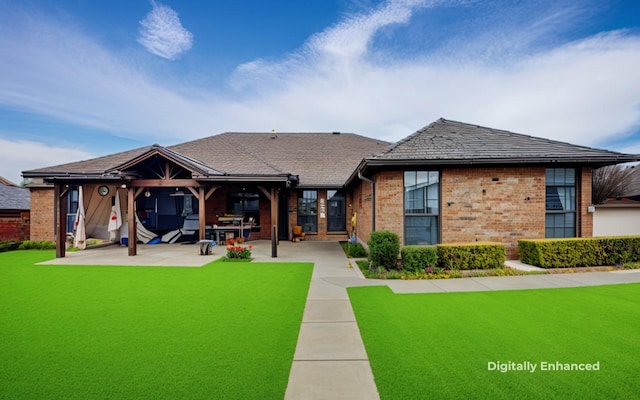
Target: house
x=448 y=182
x=14 y=211
x=620 y=216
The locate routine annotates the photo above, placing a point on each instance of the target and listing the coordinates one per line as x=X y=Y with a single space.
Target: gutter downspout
x=373 y=200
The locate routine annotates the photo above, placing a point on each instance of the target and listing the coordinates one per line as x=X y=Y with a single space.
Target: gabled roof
x=319 y=159
x=91 y=167
x=14 y=198
x=452 y=142
x=186 y=162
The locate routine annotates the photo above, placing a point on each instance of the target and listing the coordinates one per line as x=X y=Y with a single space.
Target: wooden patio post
x=60 y=204
x=202 y=217
x=131 y=220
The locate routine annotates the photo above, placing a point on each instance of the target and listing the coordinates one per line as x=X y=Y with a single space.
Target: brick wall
x=390 y=202
x=493 y=204
x=361 y=204
x=42 y=227
x=14 y=225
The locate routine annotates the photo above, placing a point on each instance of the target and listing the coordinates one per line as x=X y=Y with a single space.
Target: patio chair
x=297 y=234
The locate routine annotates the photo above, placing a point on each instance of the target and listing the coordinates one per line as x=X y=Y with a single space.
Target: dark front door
x=336 y=219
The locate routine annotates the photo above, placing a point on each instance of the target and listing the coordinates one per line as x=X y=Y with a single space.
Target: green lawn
x=439 y=345
x=223 y=331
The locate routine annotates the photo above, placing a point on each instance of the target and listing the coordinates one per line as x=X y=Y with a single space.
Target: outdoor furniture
x=297 y=234
x=205 y=247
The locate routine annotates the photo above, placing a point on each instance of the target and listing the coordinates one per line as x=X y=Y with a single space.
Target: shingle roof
x=14 y=198
x=446 y=141
x=320 y=159
x=94 y=166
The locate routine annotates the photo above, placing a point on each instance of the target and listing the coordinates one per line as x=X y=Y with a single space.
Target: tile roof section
x=14 y=198
x=458 y=142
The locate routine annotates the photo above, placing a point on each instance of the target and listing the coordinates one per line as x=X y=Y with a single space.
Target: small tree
x=610 y=182
x=384 y=247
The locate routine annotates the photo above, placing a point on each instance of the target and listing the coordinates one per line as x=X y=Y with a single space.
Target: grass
x=439 y=345
x=224 y=331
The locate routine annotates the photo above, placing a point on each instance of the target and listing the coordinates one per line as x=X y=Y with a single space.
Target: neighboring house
x=14 y=211
x=448 y=182
x=620 y=216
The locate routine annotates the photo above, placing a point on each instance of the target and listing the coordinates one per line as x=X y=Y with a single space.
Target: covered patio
x=186 y=255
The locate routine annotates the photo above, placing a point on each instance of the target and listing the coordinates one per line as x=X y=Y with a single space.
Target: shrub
x=476 y=255
x=353 y=250
x=8 y=245
x=384 y=247
x=37 y=245
x=417 y=258
x=579 y=252
x=239 y=252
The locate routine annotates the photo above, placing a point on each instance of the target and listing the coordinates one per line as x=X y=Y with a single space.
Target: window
x=336 y=219
x=72 y=208
x=421 y=207
x=308 y=210
x=560 y=218
x=245 y=204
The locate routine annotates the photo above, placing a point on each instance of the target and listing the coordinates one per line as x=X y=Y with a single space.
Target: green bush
x=579 y=252
x=353 y=250
x=384 y=247
x=7 y=245
x=37 y=245
x=417 y=258
x=478 y=255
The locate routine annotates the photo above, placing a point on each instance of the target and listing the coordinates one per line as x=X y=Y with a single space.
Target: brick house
x=448 y=182
x=14 y=211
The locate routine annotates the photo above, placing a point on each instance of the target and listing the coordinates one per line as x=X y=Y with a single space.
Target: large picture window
x=421 y=207
x=560 y=218
x=308 y=210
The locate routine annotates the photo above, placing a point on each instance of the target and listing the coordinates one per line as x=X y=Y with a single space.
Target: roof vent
x=336 y=133
x=274 y=135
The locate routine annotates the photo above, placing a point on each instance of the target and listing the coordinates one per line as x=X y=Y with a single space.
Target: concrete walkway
x=330 y=360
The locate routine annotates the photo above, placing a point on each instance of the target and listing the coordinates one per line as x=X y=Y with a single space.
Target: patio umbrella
x=80 y=235
x=115 y=219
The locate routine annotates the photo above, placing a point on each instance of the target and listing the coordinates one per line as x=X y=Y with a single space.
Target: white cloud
x=162 y=33
x=584 y=92
x=19 y=155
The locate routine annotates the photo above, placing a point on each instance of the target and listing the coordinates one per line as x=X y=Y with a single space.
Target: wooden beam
x=164 y=183
x=210 y=192
x=201 y=212
x=131 y=219
x=60 y=201
x=138 y=192
x=194 y=192
x=265 y=191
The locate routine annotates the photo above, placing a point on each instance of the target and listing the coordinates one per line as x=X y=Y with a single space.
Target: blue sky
x=80 y=78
